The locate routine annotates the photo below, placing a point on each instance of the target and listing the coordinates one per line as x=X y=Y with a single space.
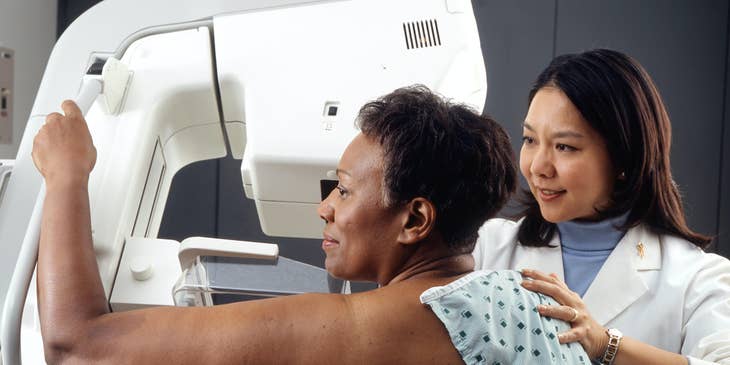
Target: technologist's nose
x=541 y=164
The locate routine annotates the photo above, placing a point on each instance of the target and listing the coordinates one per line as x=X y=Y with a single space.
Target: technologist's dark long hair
x=618 y=99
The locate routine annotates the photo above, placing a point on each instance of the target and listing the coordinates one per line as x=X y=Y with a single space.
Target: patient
x=414 y=188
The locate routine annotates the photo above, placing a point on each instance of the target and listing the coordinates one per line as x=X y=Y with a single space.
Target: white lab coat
x=676 y=297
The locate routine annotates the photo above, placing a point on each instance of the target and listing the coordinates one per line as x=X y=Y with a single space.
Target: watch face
x=614 y=332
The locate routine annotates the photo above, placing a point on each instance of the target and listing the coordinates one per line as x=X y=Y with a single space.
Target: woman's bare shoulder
x=400 y=326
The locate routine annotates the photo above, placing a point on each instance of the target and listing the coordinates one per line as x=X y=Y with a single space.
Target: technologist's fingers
x=575 y=334
x=580 y=324
x=563 y=312
x=557 y=280
x=585 y=329
x=539 y=275
x=565 y=295
x=562 y=295
x=591 y=336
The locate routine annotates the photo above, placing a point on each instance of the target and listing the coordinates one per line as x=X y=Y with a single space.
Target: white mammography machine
x=275 y=83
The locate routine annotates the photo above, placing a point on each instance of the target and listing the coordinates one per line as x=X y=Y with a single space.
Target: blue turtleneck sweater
x=586 y=246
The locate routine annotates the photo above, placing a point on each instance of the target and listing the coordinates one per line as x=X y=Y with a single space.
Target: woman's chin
x=553 y=215
x=550 y=217
x=334 y=269
x=339 y=272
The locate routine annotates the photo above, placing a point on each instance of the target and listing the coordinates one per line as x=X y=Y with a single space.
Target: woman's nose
x=542 y=164
x=325 y=210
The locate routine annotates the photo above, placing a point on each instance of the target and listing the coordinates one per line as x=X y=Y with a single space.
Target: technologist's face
x=565 y=161
x=360 y=231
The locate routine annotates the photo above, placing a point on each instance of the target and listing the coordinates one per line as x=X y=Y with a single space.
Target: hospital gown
x=492 y=320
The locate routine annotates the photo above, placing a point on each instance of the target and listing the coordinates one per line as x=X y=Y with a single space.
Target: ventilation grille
x=422 y=34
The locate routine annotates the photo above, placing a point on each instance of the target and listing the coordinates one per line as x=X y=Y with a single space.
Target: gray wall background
x=28 y=27
x=684 y=45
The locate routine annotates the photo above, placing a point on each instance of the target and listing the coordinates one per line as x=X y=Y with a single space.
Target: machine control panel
x=7 y=58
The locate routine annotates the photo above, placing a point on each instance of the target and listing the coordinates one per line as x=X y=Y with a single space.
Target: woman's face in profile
x=360 y=232
x=565 y=161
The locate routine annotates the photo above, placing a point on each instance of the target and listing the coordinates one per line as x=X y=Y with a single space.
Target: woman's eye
x=341 y=190
x=564 y=147
x=528 y=140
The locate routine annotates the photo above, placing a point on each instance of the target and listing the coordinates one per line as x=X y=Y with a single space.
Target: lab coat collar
x=618 y=283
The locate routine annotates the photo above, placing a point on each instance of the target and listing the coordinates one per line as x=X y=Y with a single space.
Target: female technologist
x=604 y=216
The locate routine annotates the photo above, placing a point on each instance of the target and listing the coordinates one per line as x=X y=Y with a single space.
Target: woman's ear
x=420 y=221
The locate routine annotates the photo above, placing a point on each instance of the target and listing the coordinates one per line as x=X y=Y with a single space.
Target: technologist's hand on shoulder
x=63 y=151
x=591 y=335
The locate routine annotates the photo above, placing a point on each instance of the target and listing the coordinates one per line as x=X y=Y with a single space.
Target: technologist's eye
x=564 y=147
x=528 y=140
x=341 y=190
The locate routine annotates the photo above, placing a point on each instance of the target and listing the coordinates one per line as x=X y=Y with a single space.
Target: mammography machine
x=276 y=84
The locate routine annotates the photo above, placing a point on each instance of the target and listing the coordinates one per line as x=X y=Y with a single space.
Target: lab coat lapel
x=546 y=259
x=618 y=283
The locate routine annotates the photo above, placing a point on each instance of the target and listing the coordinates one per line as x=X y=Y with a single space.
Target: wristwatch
x=614 y=338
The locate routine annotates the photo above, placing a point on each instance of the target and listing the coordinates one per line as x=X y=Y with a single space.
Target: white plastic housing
x=166 y=122
x=281 y=70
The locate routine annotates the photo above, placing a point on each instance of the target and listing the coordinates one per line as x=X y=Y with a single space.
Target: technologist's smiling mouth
x=549 y=194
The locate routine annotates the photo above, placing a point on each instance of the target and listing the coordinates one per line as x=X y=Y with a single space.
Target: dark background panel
x=682 y=46
x=191 y=207
x=724 y=189
x=69 y=10
x=517 y=43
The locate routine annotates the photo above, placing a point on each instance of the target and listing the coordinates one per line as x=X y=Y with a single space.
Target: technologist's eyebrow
x=567 y=134
x=558 y=134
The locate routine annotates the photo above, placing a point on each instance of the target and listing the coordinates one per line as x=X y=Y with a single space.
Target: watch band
x=614 y=339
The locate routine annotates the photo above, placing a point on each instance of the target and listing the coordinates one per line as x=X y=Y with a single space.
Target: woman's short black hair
x=445 y=152
x=618 y=99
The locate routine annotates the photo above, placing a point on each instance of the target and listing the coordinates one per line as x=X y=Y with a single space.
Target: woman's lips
x=547 y=195
x=329 y=242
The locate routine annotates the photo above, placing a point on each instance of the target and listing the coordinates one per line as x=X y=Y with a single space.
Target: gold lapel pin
x=640 y=250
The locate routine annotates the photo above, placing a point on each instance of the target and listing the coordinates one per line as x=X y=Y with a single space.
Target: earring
x=622 y=175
